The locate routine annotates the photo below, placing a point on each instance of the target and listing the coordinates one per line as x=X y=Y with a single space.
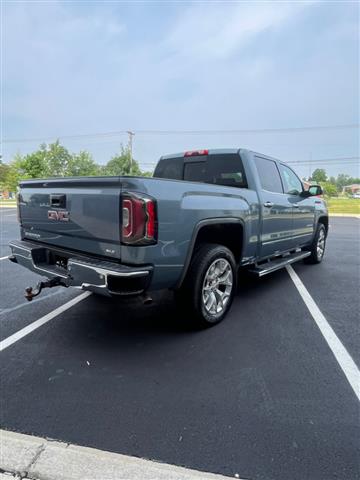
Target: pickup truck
x=204 y=215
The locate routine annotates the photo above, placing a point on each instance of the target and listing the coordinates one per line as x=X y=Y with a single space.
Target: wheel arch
x=324 y=220
x=210 y=231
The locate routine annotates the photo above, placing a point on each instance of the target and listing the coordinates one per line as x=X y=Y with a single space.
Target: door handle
x=268 y=204
x=296 y=205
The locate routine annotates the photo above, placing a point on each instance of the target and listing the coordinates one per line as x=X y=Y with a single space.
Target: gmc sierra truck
x=202 y=216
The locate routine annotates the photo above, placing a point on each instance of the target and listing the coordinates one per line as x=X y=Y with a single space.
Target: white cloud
x=51 y=62
x=211 y=66
x=219 y=30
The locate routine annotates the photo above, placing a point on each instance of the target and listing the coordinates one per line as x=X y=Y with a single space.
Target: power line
x=67 y=137
x=247 y=131
x=187 y=132
x=327 y=160
x=323 y=164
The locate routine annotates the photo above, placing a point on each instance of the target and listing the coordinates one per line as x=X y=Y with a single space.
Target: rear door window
x=269 y=175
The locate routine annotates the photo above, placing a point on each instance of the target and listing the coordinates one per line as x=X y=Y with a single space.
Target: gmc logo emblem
x=61 y=216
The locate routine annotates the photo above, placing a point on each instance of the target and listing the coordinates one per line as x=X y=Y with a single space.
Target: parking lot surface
x=260 y=395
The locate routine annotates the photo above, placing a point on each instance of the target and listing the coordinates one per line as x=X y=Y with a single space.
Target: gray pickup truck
x=190 y=228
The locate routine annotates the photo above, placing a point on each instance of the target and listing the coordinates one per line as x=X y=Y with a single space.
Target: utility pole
x=131 y=134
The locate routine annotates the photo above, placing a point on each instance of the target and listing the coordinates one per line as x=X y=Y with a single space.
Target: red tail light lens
x=139 y=219
x=151 y=219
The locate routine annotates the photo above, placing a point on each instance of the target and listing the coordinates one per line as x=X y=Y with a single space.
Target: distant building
x=354 y=188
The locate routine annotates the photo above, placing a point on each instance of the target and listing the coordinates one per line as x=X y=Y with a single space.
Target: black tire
x=190 y=297
x=319 y=239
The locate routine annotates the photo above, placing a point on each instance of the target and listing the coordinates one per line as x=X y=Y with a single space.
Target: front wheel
x=210 y=285
x=317 y=248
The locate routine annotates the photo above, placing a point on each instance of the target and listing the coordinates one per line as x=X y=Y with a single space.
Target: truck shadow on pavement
x=113 y=320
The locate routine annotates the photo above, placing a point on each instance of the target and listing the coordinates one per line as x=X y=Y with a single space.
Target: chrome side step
x=276 y=264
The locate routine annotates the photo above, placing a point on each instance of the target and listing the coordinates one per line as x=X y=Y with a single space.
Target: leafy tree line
x=332 y=185
x=55 y=160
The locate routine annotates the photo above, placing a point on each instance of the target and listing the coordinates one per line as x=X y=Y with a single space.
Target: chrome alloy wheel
x=217 y=286
x=320 y=248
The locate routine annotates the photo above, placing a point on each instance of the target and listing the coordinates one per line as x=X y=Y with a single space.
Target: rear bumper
x=106 y=278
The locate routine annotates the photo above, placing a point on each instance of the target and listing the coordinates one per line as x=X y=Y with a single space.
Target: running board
x=273 y=265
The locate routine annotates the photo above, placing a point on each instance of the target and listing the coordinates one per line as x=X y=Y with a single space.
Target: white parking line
x=10 y=215
x=6 y=311
x=342 y=356
x=4 y=258
x=41 y=321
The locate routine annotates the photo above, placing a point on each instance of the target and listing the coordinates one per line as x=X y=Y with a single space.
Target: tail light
x=196 y=153
x=139 y=219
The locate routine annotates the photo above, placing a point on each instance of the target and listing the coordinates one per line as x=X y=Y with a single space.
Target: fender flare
x=197 y=228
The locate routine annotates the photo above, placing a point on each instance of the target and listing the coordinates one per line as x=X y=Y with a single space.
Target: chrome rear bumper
x=106 y=278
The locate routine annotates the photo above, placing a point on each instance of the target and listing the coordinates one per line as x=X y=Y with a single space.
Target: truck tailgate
x=75 y=213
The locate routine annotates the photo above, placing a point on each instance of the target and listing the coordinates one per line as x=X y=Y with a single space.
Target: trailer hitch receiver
x=31 y=292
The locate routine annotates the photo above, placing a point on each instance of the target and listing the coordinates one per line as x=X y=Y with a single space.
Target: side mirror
x=315 y=190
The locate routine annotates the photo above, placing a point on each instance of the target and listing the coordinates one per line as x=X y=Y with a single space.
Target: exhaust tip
x=146 y=299
x=12 y=258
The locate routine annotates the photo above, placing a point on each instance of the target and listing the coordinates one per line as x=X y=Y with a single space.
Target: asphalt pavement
x=260 y=395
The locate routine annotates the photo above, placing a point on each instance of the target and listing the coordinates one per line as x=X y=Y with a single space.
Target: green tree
x=82 y=164
x=121 y=164
x=54 y=160
x=319 y=175
x=33 y=165
x=147 y=174
x=343 y=179
x=329 y=189
x=50 y=160
x=4 y=169
x=57 y=159
x=13 y=174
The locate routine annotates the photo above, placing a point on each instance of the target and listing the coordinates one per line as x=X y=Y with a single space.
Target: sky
x=73 y=68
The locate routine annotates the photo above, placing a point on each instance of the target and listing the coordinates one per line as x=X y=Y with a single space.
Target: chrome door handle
x=268 y=204
x=296 y=205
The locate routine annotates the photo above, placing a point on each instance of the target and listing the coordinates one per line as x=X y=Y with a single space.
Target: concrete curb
x=43 y=459
x=354 y=215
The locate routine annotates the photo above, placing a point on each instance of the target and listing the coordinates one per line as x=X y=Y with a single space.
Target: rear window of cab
x=218 y=169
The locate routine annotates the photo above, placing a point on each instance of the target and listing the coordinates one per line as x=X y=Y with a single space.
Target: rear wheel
x=317 y=248
x=210 y=285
